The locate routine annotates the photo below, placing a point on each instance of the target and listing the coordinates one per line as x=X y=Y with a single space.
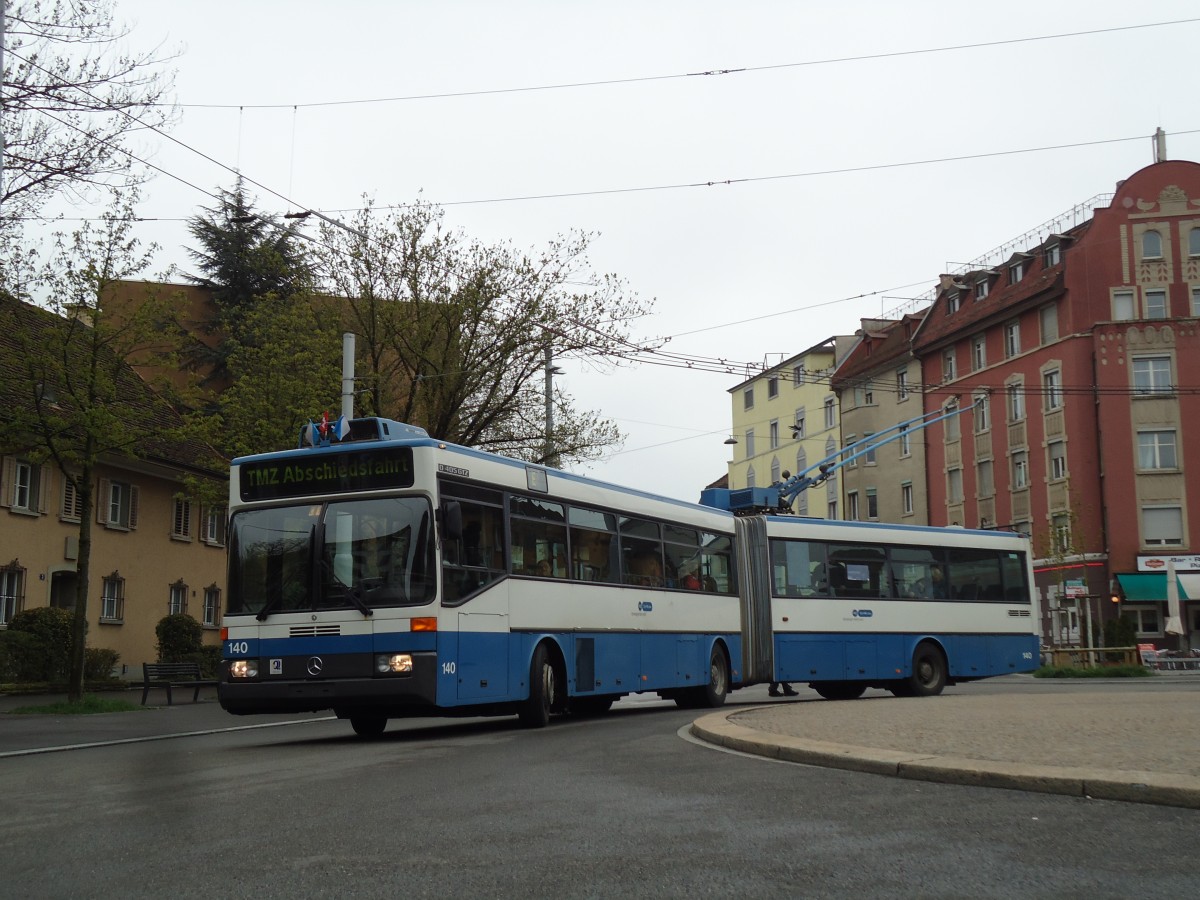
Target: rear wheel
x=591 y=706
x=368 y=726
x=543 y=690
x=928 y=673
x=840 y=690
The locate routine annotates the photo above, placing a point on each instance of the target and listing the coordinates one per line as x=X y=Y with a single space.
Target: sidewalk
x=1111 y=743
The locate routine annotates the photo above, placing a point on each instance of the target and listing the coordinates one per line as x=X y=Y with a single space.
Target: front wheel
x=543 y=691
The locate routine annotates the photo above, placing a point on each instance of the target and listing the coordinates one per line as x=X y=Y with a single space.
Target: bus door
x=482 y=663
x=754 y=593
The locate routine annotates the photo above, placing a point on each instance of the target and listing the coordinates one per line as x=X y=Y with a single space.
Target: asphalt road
x=625 y=805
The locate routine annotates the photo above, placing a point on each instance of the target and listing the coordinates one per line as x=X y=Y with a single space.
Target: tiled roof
x=24 y=326
x=884 y=344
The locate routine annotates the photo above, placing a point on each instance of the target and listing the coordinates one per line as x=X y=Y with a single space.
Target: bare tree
x=455 y=334
x=72 y=101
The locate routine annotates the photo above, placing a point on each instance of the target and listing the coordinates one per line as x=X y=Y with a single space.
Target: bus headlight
x=243 y=668
x=394 y=664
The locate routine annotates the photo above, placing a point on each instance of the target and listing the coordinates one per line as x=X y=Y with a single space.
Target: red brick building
x=1079 y=355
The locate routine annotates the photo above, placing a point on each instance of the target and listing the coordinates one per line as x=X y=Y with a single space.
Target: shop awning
x=1151 y=587
x=1189 y=587
x=1144 y=587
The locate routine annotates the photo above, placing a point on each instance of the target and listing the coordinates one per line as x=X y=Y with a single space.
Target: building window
x=775 y=471
x=798 y=428
x=1016 y=402
x=869 y=452
x=117 y=504
x=1156 y=304
x=868 y=394
x=902 y=385
x=1053 y=255
x=830 y=414
x=772 y=387
x=1146 y=619
x=983 y=419
x=954 y=490
x=1162 y=526
x=749 y=443
x=850 y=463
x=872 y=505
x=1152 y=375
x=1020 y=469
x=953 y=302
x=750 y=477
x=1048 y=316
x=953 y=432
x=748 y=398
x=26 y=486
x=1058 y=459
x=797 y=375
x=112 y=598
x=852 y=506
x=773 y=434
x=72 y=502
x=214 y=526
x=1196 y=292
x=1156 y=450
x=1012 y=339
x=1016 y=272
x=179 y=598
x=1194 y=242
x=1060 y=533
x=905 y=441
x=1122 y=306
x=1052 y=389
x=984 y=482
x=906 y=498
x=1151 y=245
x=181 y=527
x=212 y=605
x=978 y=352
x=949 y=369
x=981 y=288
x=12 y=592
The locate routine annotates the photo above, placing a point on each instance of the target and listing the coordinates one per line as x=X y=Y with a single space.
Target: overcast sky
x=943 y=155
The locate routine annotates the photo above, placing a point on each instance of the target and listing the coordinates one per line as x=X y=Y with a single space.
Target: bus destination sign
x=357 y=470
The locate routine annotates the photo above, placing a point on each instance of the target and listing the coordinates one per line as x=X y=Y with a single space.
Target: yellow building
x=154 y=551
x=786 y=419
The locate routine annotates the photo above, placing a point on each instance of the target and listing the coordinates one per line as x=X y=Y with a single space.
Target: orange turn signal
x=224 y=633
x=424 y=623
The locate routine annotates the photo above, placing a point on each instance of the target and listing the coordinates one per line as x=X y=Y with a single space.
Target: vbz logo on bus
x=862 y=613
x=645 y=606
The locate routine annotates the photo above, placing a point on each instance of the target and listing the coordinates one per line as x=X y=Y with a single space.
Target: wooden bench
x=173 y=675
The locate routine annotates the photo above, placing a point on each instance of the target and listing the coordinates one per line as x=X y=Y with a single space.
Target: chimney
x=1160 y=145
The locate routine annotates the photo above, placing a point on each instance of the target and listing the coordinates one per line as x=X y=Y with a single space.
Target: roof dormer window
x=953 y=302
x=1016 y=271
x=1052 y=255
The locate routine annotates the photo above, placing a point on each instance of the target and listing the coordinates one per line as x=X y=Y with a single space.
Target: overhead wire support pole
x=802 y=481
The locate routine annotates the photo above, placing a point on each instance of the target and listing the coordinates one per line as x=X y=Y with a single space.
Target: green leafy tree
x=72 y=99
x=73 y=401
x=454 y=334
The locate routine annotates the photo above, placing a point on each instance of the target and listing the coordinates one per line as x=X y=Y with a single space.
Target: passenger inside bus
x=645 y=569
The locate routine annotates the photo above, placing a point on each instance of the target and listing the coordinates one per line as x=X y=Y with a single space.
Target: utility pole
x=549 y=455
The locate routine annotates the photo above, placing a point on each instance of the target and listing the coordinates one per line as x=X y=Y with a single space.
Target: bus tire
x=591 y=706
x=839 y=690
x=713 y=694
x=928 y=672
x=368 y=726
x=543 y=690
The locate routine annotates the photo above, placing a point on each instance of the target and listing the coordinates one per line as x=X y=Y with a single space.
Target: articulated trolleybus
x=388 y=575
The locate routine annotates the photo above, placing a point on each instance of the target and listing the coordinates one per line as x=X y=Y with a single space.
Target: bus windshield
x=367 y=554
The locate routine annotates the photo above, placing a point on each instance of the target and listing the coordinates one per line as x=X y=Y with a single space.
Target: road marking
x=160 y=737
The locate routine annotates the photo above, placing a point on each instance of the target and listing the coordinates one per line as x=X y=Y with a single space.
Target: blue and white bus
x=391 y=575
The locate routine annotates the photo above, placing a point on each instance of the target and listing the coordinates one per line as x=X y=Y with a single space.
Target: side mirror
x=452 y=521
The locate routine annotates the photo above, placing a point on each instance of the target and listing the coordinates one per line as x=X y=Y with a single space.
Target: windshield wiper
x=268 y=606
x=355 y=594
